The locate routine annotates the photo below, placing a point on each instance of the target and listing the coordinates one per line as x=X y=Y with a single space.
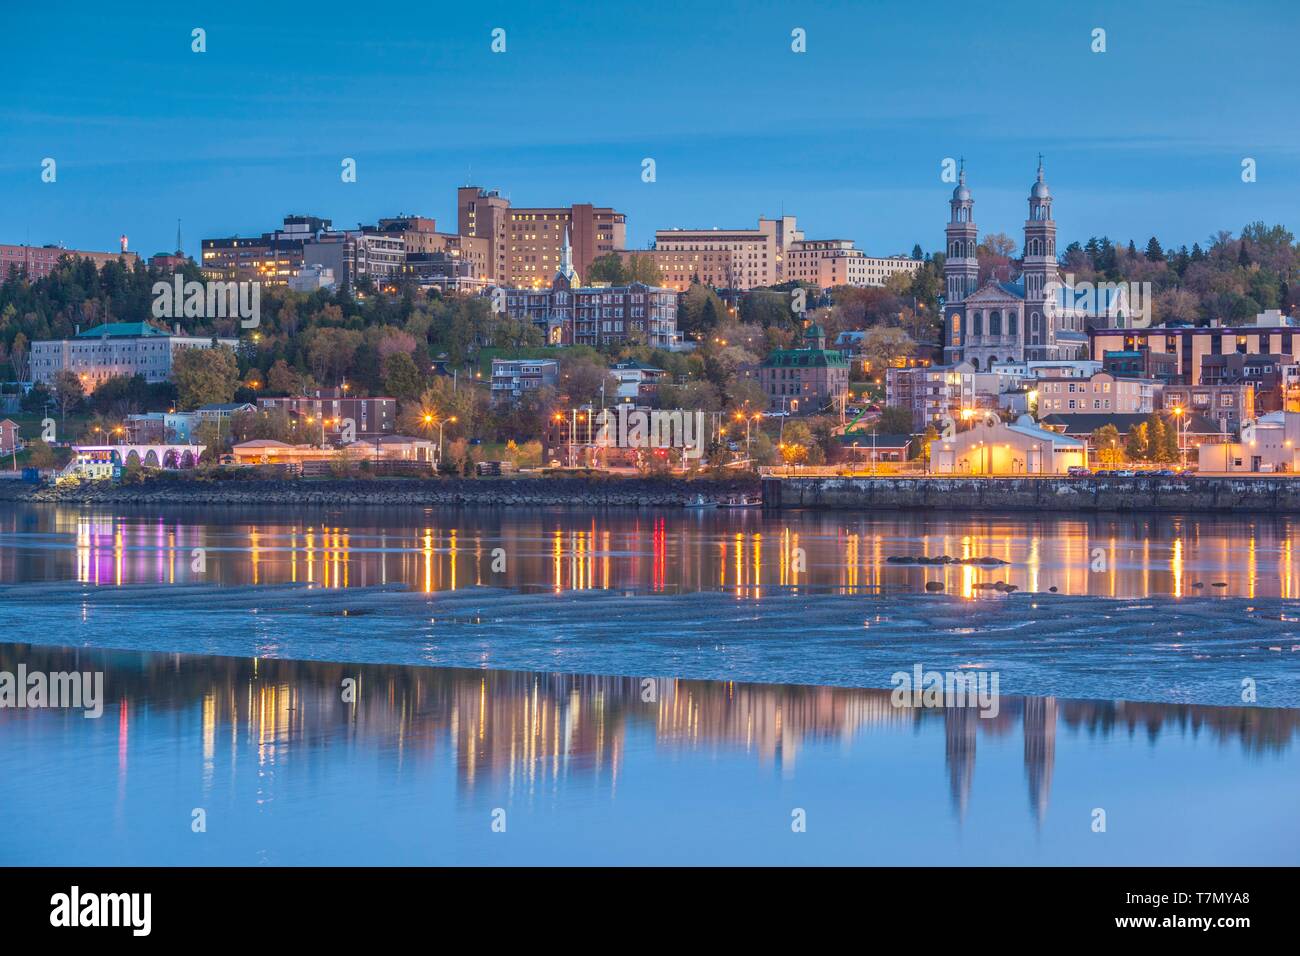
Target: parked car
x=1078 y=471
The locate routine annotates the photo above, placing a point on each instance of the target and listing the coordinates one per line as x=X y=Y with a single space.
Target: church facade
x=1034 y=318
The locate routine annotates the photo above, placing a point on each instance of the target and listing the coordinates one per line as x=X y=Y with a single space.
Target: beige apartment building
x=525 y=243
x=724 y=258
x=832 y=262
x=1101 y=393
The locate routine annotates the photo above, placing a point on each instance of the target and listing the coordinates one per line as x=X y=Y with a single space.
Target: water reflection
x=514 y=733
x=666 y=551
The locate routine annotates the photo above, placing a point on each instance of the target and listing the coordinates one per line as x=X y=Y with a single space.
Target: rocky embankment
x=1100 y=492
x=487 y=492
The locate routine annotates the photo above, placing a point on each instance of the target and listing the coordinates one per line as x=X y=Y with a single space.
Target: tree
x=1136 y=443
x=40 y=454
x=1106 y=441
x=403 y=378
x=894 y=420
x=68 y=391
x=606 y=268
x=283 y=380
x=204 y=376
x=643 y=268
x=882 y=347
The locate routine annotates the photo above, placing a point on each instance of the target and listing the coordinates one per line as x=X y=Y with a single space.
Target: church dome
x=961 y=193
x=1040 y=191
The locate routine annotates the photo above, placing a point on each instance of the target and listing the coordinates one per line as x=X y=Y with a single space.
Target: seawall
x=481 y=492
x=1141 y=494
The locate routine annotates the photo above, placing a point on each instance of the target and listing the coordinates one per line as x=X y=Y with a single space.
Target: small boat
x=741 y=501
x=699 y=502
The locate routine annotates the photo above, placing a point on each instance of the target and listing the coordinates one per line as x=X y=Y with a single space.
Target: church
x=1035 y=318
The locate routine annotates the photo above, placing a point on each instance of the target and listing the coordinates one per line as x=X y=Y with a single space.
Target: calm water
x=587 y=770
x=670 y=551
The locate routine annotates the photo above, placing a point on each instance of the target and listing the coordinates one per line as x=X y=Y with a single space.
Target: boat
x=699 y=502
x=741 y=501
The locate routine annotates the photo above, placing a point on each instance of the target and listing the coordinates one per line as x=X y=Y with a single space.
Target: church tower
x=566 y=272
x=1039 y=273
x=961 y=268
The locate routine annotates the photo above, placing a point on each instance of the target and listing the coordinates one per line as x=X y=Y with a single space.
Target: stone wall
x=1143 y=494
x=491 y=492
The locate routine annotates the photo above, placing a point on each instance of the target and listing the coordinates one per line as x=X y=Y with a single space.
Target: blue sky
x=1145 y=138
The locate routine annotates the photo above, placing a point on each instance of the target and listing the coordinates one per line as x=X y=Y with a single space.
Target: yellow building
x=1021 y=448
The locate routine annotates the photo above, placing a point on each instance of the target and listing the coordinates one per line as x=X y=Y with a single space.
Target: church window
x=1013 y=323
x=995 y=323
x=977 y=324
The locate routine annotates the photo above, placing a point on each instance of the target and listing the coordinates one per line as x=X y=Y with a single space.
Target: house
x=805 y=379
x=1270 y=443
x=10 y=440
x=870 y=448
x=636 y=381
x=1021 y=448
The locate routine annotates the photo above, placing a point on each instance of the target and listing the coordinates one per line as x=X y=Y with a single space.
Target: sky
x=850 y=136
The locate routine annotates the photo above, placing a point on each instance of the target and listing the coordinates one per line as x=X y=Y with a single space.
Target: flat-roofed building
x=1270 y=334
x=369 y=416
x=116 y=348
x=1101 y=393
x=272 y=258
x=39 y=261
x=725 y=258
x=525 y=243
x=513 y=378
x=827 y=263
x=1228 y=405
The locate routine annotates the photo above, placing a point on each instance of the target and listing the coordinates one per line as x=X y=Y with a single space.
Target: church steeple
x=566 y=270
x=961 y=268
x=1039 y=273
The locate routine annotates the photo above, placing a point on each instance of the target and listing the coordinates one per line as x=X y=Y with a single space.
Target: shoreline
x=1037 y=495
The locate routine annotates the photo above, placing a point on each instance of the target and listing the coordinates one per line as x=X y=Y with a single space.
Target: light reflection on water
x=654 y=551
x=596 y=769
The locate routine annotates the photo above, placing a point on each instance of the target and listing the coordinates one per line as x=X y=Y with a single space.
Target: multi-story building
x=1227 y=405
x=39 y=261
x=1270 y=334
x=637 y=382
x=512 y=378
x=827 y=263
x=570 y=314
x=525 y=244
x=1101 y=393
x=356 y=254
x=425 y=245
x=272 y=258
x=1142 y=363
x=334 y=407
x=116 y=348
x=805 y=379
x=1276 y=378
x=725 y=258
x=932 y=393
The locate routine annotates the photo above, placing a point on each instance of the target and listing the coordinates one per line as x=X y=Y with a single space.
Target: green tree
x=205 y=376
x=68 y=391
x=894 y=420
x=1107 y=442
x=1135 y=443
x=607 y=268
x=402 y=379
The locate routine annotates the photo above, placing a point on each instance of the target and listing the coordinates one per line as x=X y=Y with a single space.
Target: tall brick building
x=526 y=242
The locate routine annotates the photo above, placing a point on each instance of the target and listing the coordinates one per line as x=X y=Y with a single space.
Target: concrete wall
x=1222 y=494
